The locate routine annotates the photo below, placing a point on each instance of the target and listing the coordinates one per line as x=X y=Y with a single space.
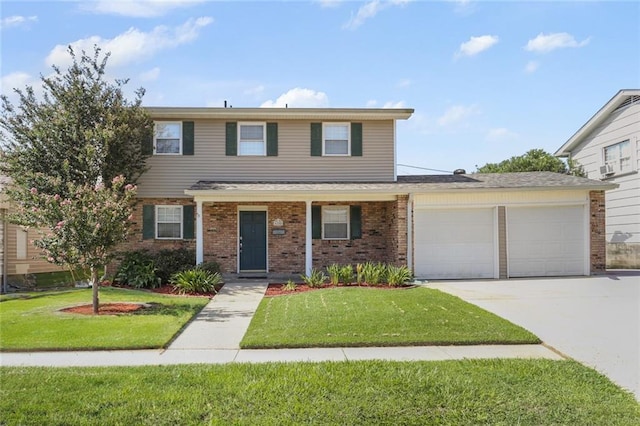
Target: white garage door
x=546 y=241
x=455 y=243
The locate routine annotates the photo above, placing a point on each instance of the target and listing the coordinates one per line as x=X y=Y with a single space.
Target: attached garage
x=547 y=241
x=455 y=243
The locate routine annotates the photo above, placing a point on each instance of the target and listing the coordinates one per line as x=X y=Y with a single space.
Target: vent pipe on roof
x=459 y=172
x=225 y=104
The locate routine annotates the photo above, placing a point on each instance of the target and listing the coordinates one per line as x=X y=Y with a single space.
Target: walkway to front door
x=253 y=241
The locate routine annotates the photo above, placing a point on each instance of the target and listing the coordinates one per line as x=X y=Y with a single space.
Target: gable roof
x=280 y=113
x=626 y=96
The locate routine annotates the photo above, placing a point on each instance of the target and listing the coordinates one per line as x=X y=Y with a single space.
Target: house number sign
x=278 y=222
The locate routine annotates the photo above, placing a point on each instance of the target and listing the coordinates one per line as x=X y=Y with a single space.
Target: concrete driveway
x=594 y=320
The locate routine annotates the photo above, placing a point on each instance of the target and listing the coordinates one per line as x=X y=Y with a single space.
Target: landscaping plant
x=398 y=275
x=289 y=286
x=374 y=273
x=316 y=279
x=334 y=273
x=195 y=280
x=359 y=273
x=138 y=270
x=170 y=261
x=346 y=274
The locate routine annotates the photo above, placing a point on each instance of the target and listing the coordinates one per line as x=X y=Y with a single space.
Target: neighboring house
x=608 y=148
x=285 y=190
x=18 y=257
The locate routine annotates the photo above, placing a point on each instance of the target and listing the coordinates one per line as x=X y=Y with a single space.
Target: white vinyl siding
x=21 y=243
x=336 y=139
x=252 y=139
x=167 y=138
x=335 y=222
x=169 y=176
x=169 y=222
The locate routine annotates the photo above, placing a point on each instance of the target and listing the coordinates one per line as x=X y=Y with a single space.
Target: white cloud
x=369 y=10
x=476 y=45
x=329 y=3
x=19 y=80
x=463 y=7
x=456 y=114
x=372 y=103
x=136 y=8
x=299 y=98
x=132 y=45
x=545 y=43
x=405 y=82
x=391 y=104
x=150 y=75
x=531 y=67
x=500 y=134
x=17 y=21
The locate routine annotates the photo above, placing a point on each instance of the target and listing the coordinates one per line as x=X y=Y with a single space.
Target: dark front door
x=253 y=241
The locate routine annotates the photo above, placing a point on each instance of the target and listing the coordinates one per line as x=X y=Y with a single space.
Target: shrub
x=360 y=273
x=315 y=279
x=334 y=273
x=398 y=275
x=289 y=286
x=170 y=261
x=195 y=280
x=213 y=267
x=374 y=273
x=137 y=270
x=346 y=274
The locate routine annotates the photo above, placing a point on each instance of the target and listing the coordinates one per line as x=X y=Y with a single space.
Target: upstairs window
x=167 y=138
x=618 y=157
x=336 y=139
x=252 y=139
x=169 y=222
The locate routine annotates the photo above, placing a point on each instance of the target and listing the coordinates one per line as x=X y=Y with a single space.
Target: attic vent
x=631 y=100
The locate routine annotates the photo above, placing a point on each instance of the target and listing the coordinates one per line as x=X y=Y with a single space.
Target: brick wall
x=598 y=237
x=398 y=231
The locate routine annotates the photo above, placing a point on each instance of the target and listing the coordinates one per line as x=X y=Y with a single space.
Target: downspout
x=4 y=251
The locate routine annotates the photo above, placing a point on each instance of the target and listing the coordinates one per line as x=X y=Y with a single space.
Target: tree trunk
x=95 y=285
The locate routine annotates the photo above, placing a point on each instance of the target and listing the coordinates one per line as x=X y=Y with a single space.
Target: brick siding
x=598 y=236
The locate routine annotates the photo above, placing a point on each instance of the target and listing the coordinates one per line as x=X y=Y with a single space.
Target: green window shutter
x=356 y=139
x=232 y=139
x=272 y=139
x=355 y=222
x=187 y=137
x=187 y=222
x=147 y=144
x=316 y=222
x=148 y=222
x=316 y=139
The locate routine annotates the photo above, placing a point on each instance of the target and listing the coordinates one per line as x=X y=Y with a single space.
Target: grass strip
x=350 y=316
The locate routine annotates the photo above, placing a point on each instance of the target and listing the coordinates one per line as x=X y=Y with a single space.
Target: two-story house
x=608 y=148
x=285 y=190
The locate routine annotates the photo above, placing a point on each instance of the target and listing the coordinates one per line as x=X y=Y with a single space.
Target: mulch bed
x=106 y=308
x=278 y=289
x=164 y=289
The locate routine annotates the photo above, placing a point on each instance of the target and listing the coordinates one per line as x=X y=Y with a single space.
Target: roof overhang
x=595 y=121
x=280 y=113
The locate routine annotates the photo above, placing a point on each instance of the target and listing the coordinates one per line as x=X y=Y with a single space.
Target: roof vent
x=631 y=100
x=459 y=172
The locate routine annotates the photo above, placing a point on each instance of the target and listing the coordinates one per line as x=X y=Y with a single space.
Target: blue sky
x=487 y=80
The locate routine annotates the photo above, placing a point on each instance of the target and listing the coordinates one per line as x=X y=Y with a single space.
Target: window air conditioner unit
x=606 y=170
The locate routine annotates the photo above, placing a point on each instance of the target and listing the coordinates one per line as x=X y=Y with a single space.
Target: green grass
x=469 y=392
x=35 y=322
x=375 y=317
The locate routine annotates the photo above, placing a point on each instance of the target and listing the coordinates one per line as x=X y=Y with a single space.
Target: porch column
x=308 y=257
x=199 y=234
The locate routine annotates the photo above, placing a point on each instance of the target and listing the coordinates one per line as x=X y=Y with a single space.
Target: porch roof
x=416 y=184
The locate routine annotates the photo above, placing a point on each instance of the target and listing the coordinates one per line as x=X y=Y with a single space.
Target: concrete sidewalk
x=214 y=335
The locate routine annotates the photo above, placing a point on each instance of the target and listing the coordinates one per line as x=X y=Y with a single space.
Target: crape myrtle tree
x=73 y=156
x=534 y=160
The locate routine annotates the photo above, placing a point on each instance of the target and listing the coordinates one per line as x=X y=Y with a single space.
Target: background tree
x=535 y=160
x=73 y=157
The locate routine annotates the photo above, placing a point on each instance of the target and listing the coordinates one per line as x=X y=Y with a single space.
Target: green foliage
x=316 y=279
x=334 y=273
x=169 y=261
x=195 y=280
x=398 y=275
x=533 y=161
x=213 y=267
x=138 y=270
x=289 y=286
x=360 y=273
x=346 y=274
x=374 y=273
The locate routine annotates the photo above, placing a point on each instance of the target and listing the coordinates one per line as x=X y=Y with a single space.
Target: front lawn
x=36 y=323
x=468 y=392
x=351 y=316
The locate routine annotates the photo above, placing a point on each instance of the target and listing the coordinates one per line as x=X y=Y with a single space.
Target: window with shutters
x=335 y=222
x=617 y=157
x=169 y=222
x=167 y=138
x=252 y=139
x=336 y=139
